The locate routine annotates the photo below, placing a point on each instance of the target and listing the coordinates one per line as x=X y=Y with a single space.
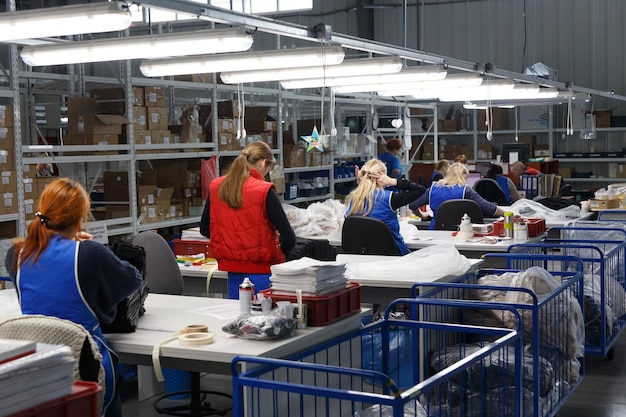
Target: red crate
x=324 y=309
x=82 y=401
x=192 y=247
x=535 y=226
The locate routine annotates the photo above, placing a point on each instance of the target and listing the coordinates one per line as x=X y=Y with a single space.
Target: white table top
x=427 y=238
x=166 y=314
x=551 y=222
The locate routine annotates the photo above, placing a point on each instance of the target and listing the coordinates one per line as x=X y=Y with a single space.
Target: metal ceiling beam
x=293 y=30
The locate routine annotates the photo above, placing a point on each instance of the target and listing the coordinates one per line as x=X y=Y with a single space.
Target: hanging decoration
x=313 y=141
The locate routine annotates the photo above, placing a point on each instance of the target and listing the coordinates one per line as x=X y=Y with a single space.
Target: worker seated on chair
x=505 y=183
x=370 y=198
x=453 y=186
x=440 y=172
x=517 y=169
x=61 y=272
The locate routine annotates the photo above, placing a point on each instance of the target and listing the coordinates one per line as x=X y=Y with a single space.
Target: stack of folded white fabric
x=311 y=276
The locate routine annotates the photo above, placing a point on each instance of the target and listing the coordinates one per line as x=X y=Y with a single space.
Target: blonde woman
x=453 y=186
x=370 y=198
x=245 y=220
x=440 y=172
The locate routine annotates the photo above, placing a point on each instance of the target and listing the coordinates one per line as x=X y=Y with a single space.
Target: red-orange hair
x=62 y=205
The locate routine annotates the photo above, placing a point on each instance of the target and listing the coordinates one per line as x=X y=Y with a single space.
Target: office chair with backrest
x=56 y=331
x=489 y=189
x=367 y=236
x=164 y=277
x=162 y=274
x=449 y=213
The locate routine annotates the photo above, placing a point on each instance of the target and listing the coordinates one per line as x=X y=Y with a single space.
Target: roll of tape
x=196 y=328
x=195 y=339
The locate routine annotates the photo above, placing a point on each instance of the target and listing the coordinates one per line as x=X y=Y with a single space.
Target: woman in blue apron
x=59 y=271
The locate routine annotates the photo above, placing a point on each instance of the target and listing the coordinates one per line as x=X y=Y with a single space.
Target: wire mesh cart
x=602 y=251
x=549 y=301
x=387 y=368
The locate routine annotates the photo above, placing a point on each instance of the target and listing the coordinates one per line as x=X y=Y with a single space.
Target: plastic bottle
x=246 y=293
x=508 y=224
x=466 y=231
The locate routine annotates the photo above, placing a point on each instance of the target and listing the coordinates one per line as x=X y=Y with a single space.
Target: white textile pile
x=428 y=264
x=318 y=219
x=562 y=309
x=529 y=208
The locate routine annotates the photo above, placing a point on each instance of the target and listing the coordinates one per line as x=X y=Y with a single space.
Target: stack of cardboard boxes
x=87 y=126
x=230 y=125
x=173 y=189
x=8 y=186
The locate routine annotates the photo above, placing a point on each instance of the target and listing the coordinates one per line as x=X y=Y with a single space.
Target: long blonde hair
x=362 y=197
x=230 y=189
x=455 y=175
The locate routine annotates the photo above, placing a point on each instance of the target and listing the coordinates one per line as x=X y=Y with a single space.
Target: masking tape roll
x=196 y=328
x=195 y=339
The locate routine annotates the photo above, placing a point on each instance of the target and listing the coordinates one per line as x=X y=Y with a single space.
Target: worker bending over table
x=245 y=221
x=370 y=198
x=453 y=186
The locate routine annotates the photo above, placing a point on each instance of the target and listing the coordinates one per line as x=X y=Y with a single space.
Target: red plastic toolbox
x=324 y=309
x=192 y=247
x=535 y=226
x=82 y=401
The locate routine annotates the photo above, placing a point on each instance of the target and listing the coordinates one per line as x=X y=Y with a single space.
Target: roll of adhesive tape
x=196 y=328
x=195 y=339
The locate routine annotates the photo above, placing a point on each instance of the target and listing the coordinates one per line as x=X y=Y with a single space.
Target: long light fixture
x=356 y=67
x=148 y=46
x=259 y=60
x=491 y=86
x=549 y=95
x=64 y=21
x=406 y=75
x=452 y=80
x=524 y=91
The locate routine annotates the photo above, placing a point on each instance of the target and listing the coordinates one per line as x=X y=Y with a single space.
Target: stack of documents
x=311 y=276
x=192 y=234
x=36 y=378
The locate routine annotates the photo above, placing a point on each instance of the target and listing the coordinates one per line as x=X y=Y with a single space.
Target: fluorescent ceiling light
x=544 y=97
x=391 y=83
x=518 y=92
x=406 y=75
x=366 y=66
x=434 y=93
x=149 y=46
x=64 y=21
x=260 y=60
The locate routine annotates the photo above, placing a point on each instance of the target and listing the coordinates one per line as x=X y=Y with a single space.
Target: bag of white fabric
x=428 y=264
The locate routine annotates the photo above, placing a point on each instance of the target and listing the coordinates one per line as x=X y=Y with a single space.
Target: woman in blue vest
x=506 y=184
x=59 y=271
x=453 y=186
x=440 y=172
x=370 y=198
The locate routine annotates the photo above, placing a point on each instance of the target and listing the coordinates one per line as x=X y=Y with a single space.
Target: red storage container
x=192 y=247
x=82 y=401
x=535 y=226
x=324 y=309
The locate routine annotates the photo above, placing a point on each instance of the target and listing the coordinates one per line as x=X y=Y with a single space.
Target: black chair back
x=489 y=189
x=449 y=213
x=367 y=236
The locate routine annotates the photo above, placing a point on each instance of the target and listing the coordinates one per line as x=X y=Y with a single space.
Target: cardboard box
x=277 y=176
x=450 y=125
x=156 y=118
x=500 y=119
x=140 y=117
x=534 y=117
x=42 y=183
x=87 y=139
x=230 y=108
x=154 y=96
x=225 y=141
x=485 y=151
x=294 y=157
x=6 y=116
x=146 y=194
x=599 y=205
x=6 y=138
x=8 y=181
x=9 y=203
x=603 y=118
x=95 y=124
x=7 y=160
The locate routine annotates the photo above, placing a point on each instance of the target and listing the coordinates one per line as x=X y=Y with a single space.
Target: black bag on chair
x=131 y=309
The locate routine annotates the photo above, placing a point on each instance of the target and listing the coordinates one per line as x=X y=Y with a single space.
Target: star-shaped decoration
x=313 y=140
